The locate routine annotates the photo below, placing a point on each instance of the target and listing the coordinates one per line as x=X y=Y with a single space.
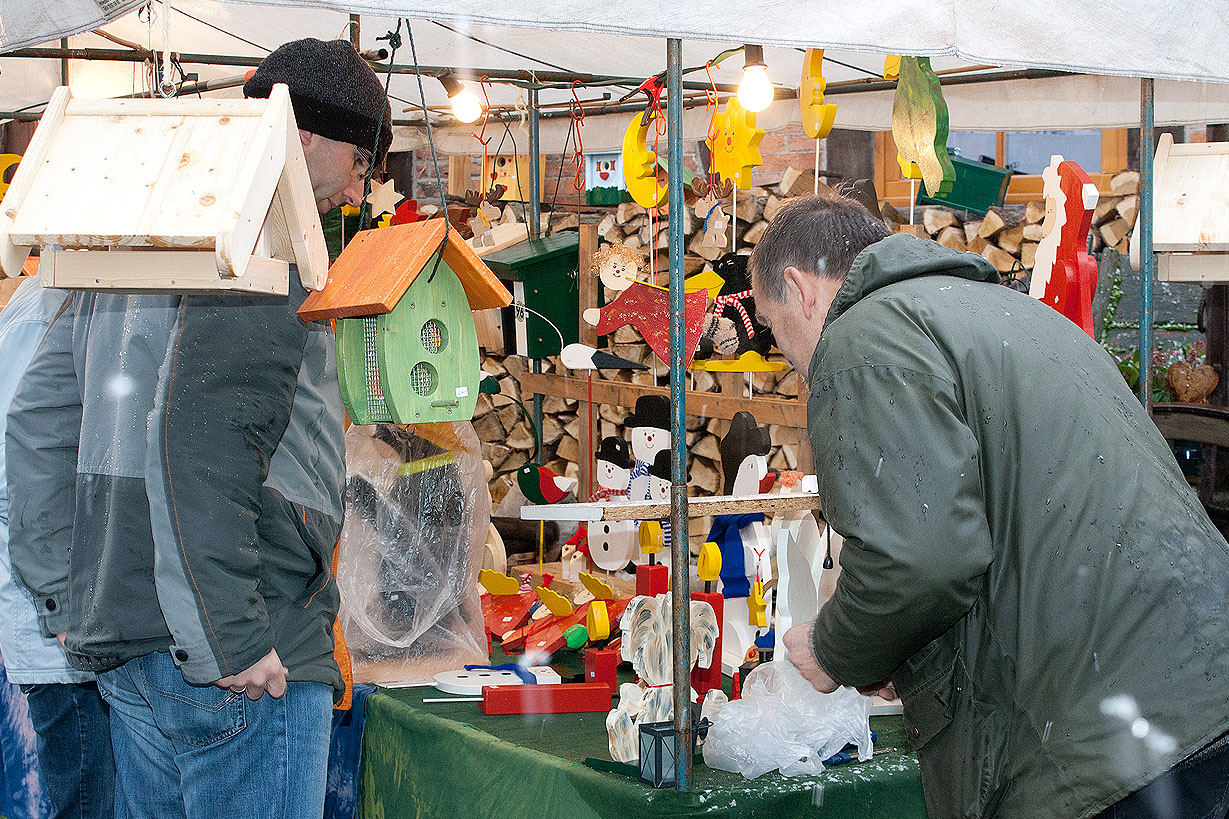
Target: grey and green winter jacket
x=1023 y=556
x=175 y=470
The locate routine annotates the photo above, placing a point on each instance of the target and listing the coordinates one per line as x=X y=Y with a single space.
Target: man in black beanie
x=342 y=113
x=182 y=550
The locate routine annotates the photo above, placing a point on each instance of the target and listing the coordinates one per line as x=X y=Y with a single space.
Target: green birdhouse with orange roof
x=407 y=348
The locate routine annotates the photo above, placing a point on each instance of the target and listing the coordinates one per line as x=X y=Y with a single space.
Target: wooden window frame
x=894 y=188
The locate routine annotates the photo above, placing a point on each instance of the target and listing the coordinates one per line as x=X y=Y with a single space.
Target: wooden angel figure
x=1064 y=275
x=647 y=646
x=642 y=305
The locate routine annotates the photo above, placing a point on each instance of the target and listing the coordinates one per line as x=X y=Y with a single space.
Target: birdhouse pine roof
x=379 y=265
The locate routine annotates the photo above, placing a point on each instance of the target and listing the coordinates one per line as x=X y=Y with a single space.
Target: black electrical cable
x=439 y=180
x=489 y=44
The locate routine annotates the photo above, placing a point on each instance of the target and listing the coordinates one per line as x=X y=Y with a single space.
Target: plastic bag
x=417 y=513
x=782 y=722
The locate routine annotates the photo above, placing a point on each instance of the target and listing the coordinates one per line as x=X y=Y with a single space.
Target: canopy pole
x=1147 y=262
x=680 y=543
x=535 y=231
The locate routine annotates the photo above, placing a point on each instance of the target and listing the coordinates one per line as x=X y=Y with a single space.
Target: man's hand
x=798 y=644
x=61 y=637
x=266 y=676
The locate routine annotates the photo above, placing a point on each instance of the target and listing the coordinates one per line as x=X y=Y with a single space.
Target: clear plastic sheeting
x=417 y=513
x=782 y=722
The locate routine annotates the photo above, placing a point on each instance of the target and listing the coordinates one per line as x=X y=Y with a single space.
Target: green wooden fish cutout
x=919 y=127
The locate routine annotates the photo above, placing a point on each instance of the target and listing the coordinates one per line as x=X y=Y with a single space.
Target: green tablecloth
x=440 y=760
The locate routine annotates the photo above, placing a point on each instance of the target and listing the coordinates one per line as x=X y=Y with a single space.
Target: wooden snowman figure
x=612 y=543
x=649 y=426
x=745 y=540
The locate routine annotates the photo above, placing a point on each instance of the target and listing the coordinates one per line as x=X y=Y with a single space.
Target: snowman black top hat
x=616 y=451
x=651 y=411
x=660 y=468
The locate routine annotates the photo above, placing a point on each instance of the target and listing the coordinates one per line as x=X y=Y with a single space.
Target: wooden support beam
x=587 y=284
x=780 y=411
x=459 y=172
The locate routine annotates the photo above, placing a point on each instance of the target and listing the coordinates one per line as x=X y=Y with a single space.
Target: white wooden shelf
x=696 y=508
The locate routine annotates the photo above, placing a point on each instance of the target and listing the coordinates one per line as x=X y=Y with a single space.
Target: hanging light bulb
x=755 y=91
x=465 y=104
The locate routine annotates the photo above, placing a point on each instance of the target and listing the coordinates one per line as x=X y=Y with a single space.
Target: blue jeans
x=201 y=752
x=74 y=749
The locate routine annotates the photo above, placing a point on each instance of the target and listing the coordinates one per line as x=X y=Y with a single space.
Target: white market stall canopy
x=1181 y=43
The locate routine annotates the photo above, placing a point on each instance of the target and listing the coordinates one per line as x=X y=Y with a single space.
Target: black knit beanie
x=334 y=92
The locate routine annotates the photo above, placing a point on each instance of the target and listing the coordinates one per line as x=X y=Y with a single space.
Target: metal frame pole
x=1147 y=149
x=535 y=230
x=680 y=547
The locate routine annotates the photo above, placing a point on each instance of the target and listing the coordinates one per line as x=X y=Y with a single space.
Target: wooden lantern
x=407 y=349
x=184 y=195
x=1190 y=232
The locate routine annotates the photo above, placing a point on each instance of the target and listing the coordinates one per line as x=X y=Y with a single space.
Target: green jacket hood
x=904 y=256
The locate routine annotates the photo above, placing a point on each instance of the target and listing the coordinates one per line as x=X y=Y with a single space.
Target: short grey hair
x=821 y=235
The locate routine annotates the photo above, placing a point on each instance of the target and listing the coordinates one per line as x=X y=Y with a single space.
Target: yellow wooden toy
x=891 y=67
x=817 y=118
x=708 y=565
x=640 y=166
x=757 y=608
x=650 y=537
x=498 y=583
x=555 y=602
x=736 y=148
x=600 y=589
x=597 y=620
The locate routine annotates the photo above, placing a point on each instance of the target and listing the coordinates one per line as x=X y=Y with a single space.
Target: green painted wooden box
x=543 y=277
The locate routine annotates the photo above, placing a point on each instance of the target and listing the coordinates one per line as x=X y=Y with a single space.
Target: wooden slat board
x=378 y=266
x=1192 y=422
x=157 y=271
x=696 y=508
x=778 y=411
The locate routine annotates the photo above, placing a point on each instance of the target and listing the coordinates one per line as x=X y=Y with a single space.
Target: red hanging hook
x=578 y=154
x=486 y=115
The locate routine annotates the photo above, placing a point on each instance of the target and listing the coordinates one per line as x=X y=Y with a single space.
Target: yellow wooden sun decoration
x=736 y=149
x=640 y=166
x=817 y=117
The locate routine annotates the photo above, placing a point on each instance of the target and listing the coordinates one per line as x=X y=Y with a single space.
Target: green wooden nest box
x=407 y=349
x=543 y=276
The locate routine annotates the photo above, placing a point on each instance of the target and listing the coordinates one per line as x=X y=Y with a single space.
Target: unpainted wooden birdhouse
x=1190 y=229
x=407 y=349
x=182 y=195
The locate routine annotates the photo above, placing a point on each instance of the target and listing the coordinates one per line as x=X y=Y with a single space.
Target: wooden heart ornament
x=1191 y=385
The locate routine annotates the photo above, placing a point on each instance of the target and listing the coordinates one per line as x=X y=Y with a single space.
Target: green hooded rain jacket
x=1022 y=556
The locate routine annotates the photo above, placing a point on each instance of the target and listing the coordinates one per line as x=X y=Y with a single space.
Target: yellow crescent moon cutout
x=736 y=149
x=640 y=166
x=817 y=118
